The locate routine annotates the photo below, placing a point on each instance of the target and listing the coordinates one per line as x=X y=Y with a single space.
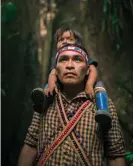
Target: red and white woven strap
x=72 y=137
x=66 y=131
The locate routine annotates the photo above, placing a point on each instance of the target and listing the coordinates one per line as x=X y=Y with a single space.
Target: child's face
x=66 y=38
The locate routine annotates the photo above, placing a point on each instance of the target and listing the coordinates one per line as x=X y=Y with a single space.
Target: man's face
x=66 y=38
x=71 y=68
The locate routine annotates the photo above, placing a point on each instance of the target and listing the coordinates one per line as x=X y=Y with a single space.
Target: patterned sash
x=76 y=145
x=66 y=131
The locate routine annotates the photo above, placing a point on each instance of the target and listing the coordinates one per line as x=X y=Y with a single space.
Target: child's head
x=66 y=35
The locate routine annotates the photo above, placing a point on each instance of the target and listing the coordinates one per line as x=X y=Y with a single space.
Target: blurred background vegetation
x=28 y=48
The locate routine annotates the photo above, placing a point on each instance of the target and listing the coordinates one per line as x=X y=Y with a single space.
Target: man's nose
x=70 y=64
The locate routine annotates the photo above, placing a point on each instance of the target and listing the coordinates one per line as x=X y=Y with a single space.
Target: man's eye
x=77 y=59
x=62 y=60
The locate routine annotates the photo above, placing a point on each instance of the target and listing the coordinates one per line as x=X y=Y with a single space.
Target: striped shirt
x=44 y=129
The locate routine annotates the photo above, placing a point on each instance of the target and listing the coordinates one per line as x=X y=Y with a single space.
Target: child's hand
x=47 y=92
x=89 y=91
x=51 y=84
x=50 y=90
x=52 y=87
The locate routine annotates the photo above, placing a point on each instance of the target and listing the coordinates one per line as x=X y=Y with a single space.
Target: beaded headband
x=72 y=48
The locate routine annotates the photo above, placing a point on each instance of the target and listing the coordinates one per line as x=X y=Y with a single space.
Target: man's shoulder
x=92 y=106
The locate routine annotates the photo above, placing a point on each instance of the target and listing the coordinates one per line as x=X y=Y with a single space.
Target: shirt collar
x=81 y=95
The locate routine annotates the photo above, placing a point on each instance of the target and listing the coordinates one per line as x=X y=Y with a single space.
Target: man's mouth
x=70 y=73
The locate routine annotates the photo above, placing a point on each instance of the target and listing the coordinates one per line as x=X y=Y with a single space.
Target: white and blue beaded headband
x=72 y=48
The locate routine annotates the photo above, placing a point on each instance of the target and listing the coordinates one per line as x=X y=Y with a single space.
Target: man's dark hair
x=77 y=35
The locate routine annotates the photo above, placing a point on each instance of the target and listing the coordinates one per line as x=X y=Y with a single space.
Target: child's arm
x=51 y=83
x=92 y=77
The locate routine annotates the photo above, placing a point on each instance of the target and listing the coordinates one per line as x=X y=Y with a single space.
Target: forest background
x=28 y=50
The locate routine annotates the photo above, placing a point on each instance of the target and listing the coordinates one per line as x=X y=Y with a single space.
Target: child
x=64 y=36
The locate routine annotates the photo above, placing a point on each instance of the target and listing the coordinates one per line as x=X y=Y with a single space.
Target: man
x=68 y=133
x=63 y=36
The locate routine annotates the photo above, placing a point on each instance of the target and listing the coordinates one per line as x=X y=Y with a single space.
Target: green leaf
x=127 y=153
x=8 y=12
x=130 y=157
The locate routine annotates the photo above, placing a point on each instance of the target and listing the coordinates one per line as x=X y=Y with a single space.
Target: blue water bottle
x=102 y=117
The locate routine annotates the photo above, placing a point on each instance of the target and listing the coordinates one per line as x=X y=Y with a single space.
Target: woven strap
x=75 y=143
x=66 y=131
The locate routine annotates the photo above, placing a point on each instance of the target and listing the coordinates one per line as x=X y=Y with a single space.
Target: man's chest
x=86 y=130
x=85 y=133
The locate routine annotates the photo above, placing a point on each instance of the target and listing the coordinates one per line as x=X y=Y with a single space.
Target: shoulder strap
x=66 y=131
x=72 y=137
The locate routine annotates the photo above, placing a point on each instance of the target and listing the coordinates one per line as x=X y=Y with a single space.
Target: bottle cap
x=99 y=86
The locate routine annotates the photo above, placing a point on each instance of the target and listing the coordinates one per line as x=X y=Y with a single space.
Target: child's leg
x=40 y=101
